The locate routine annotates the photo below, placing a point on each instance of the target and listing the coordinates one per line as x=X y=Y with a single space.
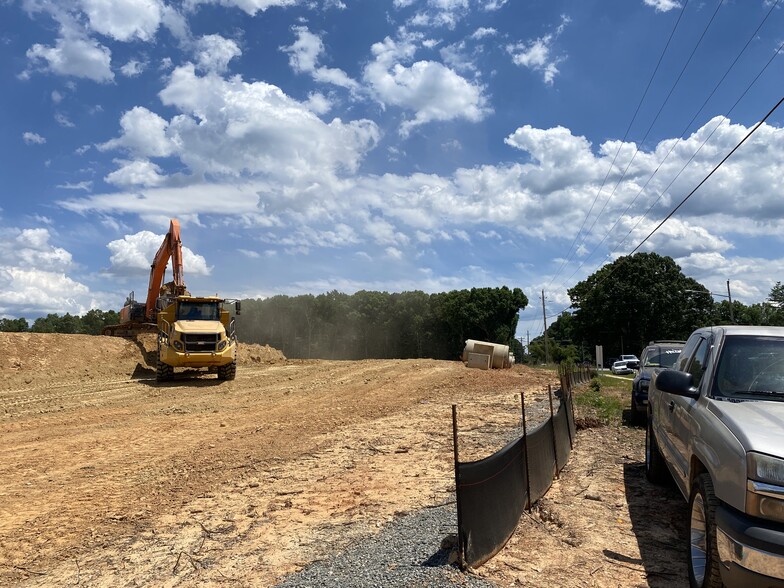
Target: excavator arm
x=170 y=248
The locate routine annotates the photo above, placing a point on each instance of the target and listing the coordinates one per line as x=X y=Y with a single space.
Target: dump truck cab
x=196 y=332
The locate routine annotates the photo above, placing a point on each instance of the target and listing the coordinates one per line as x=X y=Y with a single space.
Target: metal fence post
x=525 y=453
x=552 y=422
x=460 y=538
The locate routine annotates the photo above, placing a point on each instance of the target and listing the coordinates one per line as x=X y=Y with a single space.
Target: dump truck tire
x=164 y=372
x=228 y=371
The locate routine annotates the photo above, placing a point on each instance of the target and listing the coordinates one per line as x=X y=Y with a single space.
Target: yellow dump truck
x=196 y=332
x=193 y=331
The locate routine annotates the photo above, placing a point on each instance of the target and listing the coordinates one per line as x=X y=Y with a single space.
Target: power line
x=647 y=132
x=625 y=135
x=705 y=179
x=672 y=148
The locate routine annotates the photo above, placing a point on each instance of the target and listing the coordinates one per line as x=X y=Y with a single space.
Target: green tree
x=18 y=325
x=635 y=299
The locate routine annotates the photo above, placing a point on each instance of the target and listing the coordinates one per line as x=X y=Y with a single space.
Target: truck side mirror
x=675 y=382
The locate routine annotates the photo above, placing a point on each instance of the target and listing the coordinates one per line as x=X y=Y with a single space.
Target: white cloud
x=63 y=120
x=75 y=56
x=143 y=134
x=124 y=20
x=139 y=172
x=537 y=54
x=304 y=57
x=483 y=32
x=663 y=5
x=133 y=254
x=133 y=68
x=433 y=91
x=33 y=276
x=57 y=97
x=33 y=138
x=232 y=127
x=213 y=53
x=85 y=185
x=249 y=6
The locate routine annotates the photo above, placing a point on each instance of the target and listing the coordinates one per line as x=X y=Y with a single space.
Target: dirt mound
x=33 y=357
x=253 y=353
x=30 y=358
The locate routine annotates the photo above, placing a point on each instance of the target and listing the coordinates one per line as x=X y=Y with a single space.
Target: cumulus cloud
x=133 y=68
x=33 y=138
x=433 y=91
x=124 y=20
x=143 y=134
x=249 y=6
x=73 y=55
x=132 y=255
x=232 y=127
x=537 y=54
x=304 y=57
x=663 y=5
x=213 y=53
x=139 y=172
x=33 y=276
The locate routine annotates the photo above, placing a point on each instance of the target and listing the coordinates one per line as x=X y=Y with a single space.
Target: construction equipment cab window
x=198 y=311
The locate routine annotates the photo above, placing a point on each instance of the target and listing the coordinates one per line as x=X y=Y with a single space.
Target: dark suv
x=656 y=356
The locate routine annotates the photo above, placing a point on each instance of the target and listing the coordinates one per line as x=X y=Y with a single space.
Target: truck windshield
x=662 y=357
x=198 y=311
x=750 y=367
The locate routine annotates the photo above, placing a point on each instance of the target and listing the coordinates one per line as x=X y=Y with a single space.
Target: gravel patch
x=407 y=553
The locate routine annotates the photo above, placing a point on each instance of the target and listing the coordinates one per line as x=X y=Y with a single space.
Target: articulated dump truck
x=193 y=331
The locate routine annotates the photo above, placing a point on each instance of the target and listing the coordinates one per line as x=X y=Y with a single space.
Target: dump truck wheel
x=164 y=372
x=228 y=371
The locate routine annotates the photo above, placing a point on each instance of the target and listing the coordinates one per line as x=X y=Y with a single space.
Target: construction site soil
x=108 y=478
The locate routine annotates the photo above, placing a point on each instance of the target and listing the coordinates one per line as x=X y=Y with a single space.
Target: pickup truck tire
x=655 y=469
x=635 y=418
x=703 y=550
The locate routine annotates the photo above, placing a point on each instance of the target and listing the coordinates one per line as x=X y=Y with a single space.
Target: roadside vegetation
x=602 y=402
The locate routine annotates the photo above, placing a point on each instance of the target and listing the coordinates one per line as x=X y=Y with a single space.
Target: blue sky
x=307 y=146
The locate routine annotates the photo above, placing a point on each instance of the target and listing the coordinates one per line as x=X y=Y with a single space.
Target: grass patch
x=604 y=399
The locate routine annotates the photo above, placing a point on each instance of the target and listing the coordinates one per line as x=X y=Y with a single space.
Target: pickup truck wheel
x=635 y=418
x=655 y=469
x=703 y=551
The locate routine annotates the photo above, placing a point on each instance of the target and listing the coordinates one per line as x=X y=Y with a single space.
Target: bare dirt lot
x=109 y=479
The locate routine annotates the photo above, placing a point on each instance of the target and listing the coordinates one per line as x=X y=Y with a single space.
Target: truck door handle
x=671 y=406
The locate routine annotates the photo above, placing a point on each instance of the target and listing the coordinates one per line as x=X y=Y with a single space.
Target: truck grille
x=200 y=342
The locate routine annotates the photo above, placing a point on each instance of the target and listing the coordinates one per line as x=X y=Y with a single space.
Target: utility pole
x=546 y=347
x=729 y=296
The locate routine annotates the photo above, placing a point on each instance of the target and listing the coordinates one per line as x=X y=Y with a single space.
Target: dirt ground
x=110 y=479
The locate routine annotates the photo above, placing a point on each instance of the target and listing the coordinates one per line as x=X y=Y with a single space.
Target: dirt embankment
x=108 y=478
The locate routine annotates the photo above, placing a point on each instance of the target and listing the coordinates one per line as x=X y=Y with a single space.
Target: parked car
x=716 y=426
x=632 y=361
x=621 y=367
x=655 y=357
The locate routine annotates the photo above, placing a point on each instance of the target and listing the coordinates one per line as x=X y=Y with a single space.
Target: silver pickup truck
x=716 y=425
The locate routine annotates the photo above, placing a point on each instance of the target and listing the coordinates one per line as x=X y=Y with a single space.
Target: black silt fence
x=493 y=492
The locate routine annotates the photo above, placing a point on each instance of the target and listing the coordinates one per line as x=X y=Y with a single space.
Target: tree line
x=371 y=324
x=363 y=325
x=638 y=299
x=91 y=323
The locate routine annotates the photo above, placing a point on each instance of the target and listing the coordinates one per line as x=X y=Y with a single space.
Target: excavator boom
x=170 y=248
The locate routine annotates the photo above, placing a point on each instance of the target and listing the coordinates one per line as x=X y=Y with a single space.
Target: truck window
x=697 y=365
x=687 y=352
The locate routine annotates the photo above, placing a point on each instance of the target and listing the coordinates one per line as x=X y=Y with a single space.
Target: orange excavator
x=193 y=332
x=141 y=317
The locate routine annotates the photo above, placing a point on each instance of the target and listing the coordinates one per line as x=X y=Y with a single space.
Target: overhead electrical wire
x=697 y=187
x=683 y=133
x=645 y=137
x=625 y=135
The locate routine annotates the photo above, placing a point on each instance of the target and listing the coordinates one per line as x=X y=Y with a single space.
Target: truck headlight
x=765 y=486
x=177 y=344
